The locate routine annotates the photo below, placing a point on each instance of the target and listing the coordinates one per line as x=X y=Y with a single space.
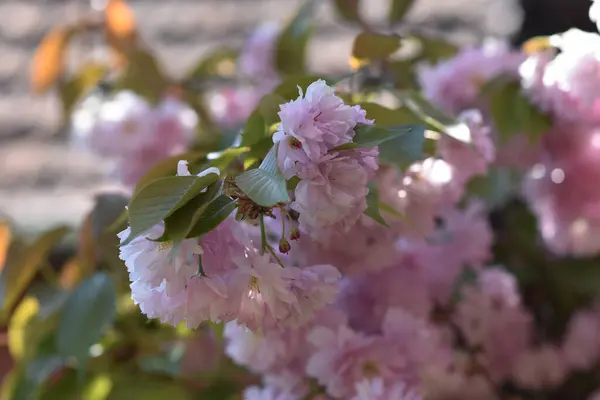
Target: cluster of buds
x=293 y=233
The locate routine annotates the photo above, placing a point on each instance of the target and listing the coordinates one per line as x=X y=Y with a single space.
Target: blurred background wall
x=44 y=182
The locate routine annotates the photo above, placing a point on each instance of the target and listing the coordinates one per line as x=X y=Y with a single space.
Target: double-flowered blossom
x=492 y=318
x=236 y=281
x=455 y=84
x=375 y=389
x=134 y=133
x=581 y=344
x=568 y=84
x=331 y=195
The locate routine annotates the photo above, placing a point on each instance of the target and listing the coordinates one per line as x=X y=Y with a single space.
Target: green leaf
x=293 y=182
x=386 y=117
x=495 y=188
x=181 y=222
x=18 y=274
x=391 y=210
x=219 y=62
x=374 y=135
x=161 y=198
x=434 y=49
x=168 y=363
x=214 y=213
x=255 y=129
x=436 y=119
x=268 y=107
x=403 y=144
x=398 y=10
x=148 y=388
x=348 y=9
x=373 y=206
x=265 y=185
x=406 y=149
x=144 y=76
x=167 y=167
x=512 y=112
x=222 y=160
x=73 y=89
x=88 y=313
x=290 y=53
x=372 y=46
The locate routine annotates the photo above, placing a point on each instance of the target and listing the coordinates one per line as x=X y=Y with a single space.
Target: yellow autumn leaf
x=536 y=45
x=47 y=64
x=5 y=238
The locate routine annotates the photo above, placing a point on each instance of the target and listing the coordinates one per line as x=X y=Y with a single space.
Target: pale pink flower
x=231 y=107
x=344 y=357
x=375 y=389
x=540 y=368
x=559 y=192
x=581 y=345
x=129 y=170
x=569 y=83
x=455 y=381
x=491 y=317
x=412 y=345
x=367 y=245
x=454 y=85
x=270 y=351
x=336 y=199
x=263 y=291
x=257 y=59
x=317 y=121
x=201 y=299
x=153 y=262
x=126 y=124
x=314 y=287
x=472 y=158
x=267 y=393
x=279 y=354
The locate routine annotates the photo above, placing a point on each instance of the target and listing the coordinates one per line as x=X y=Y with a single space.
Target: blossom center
x=253 y=286
x=129 y=127
x=162 y=246
x=370 y=369
x=295 y=144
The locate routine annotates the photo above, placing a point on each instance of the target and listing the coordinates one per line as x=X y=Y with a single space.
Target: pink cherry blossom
x=267 y=393
x=559 y=192
x=314 y=287
x=567 y=84
x=344 y=357
x=376 y=390
x=469 y=159
x=317 y=121
x=264 y=294
x=581 y=345
x=126 y=124
x=454 y=85
x=257 y=59
x=337 y=198
x=492 y=318
x=152 y=262
x=540 y=368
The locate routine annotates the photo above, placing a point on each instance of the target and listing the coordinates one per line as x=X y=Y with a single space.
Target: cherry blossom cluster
x=416 y=307
x=558 y=185
x=132 y=132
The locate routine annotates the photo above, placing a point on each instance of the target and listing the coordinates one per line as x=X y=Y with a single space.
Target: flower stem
x=263 y=234
x=272 y=251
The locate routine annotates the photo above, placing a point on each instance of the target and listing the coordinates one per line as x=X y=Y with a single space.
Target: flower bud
x=284 y=246
x=295 y=235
